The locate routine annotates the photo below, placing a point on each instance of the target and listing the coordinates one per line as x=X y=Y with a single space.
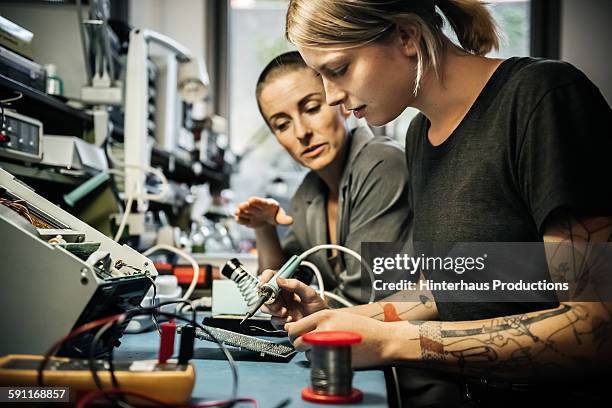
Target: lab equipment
x=60 y=273
x=170 y=382
x=331 y=374
x=21 y=137
x=246 y=342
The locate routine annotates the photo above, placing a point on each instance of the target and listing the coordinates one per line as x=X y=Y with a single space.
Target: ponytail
x=472 y=22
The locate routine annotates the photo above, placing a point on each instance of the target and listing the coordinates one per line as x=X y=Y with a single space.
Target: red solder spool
x=331 y=373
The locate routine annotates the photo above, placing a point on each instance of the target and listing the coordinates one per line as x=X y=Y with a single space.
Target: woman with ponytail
x=502 y=151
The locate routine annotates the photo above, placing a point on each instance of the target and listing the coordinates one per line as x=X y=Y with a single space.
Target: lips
x=313 y=150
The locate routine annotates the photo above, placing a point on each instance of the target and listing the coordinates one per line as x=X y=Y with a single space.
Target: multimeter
x=169 y=382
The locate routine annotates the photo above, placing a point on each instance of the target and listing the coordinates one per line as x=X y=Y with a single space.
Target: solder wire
x=331 y=372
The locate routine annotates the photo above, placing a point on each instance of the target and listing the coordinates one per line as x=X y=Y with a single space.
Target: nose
x=333 y=94
x=302 y=129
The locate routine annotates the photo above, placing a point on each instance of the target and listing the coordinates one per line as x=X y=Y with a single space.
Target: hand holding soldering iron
x=296 y=300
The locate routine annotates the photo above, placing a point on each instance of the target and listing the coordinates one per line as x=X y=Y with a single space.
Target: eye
x=281 y=126
x=313 y=108
x=337 y=73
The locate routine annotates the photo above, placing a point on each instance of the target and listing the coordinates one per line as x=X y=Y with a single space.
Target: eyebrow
x=301 y=103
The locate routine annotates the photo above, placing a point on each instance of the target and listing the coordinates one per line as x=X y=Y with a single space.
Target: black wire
x=153 y=316
x=100 y=333
x=150 y=310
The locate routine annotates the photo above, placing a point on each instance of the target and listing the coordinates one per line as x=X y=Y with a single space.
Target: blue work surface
x=270 y=383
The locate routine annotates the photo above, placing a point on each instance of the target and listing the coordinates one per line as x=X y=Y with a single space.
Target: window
x=256 y=36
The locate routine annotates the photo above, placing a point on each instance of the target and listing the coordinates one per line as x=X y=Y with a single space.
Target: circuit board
x=246 y=342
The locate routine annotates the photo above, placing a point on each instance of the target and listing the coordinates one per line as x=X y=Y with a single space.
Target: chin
x=318 y=164
x=380 y=120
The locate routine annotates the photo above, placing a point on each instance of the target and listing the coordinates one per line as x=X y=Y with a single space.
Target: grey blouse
x=372 y=207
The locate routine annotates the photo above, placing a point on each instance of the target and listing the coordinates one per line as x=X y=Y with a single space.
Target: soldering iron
x=269 y=291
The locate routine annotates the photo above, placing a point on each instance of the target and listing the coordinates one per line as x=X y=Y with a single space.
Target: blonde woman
x=346 y=198
x=502 y=151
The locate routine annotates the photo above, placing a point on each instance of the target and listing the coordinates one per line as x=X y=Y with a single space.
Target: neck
x=332 y=174
x=446 y=100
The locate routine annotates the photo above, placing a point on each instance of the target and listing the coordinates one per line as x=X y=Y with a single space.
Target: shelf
x=57 y=117
x=42 y=174
x=179 y=170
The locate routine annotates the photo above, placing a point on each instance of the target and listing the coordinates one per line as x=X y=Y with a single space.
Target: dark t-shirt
x=537 y=138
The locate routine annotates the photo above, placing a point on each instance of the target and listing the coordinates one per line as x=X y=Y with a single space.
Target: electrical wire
x=338 y=299
x=153 y=300
x=194 y=265
x=318 y=276
x=192 y=321
x=79 y=330
x=129 y=190
x=13 y=99
x=322 y=292
x=124 y=217
x=349 y=251
x=106 y=327
x=109 y=321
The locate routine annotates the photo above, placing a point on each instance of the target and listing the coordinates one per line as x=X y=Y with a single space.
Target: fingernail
x=282 y=281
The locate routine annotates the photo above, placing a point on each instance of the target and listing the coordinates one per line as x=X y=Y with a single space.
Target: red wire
x=90 y=396
x=93 y=395
x=75 y=332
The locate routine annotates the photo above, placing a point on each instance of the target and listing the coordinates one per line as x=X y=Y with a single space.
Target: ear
x=410 y=38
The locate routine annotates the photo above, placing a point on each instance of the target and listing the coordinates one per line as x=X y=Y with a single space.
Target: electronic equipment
x=59 y=273
x=21 y=137
x=22 y=70
x=70 y=152
x=169 y=382
x=269 y=291
x=246 y=342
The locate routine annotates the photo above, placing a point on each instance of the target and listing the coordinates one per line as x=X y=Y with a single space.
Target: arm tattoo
x=430 y=338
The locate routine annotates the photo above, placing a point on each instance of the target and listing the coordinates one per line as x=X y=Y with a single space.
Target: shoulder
x=309 y=188
x=538 y=77
x=379 y=159
x=379 y=150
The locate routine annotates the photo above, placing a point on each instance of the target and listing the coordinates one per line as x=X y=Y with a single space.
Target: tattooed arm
x=400 y=306
x=571 y=338
x=574 y=336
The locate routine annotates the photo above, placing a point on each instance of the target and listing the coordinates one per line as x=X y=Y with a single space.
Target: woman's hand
x=383 y=343
x=296 y=300
x=259 y=212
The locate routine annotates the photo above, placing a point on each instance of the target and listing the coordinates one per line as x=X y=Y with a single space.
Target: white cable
x=318 y=276
x=129 y=195
x=179 y=252
x=124 y=218
x=338 y=299
x=147 y=169
x=349 y=251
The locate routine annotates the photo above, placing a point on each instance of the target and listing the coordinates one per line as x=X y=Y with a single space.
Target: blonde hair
x=350 y=23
